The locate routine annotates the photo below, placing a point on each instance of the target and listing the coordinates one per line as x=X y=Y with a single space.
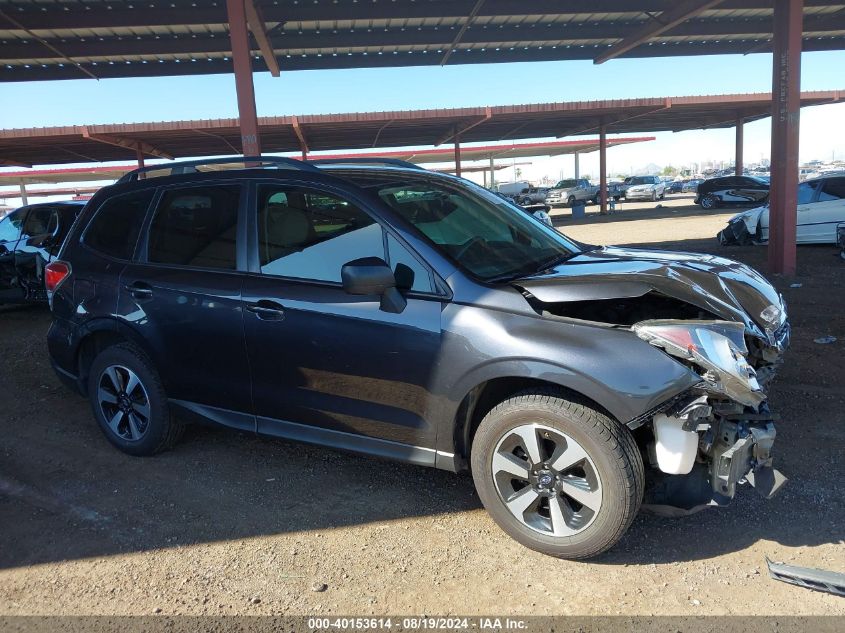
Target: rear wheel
x=129 y=402
x=557 y=475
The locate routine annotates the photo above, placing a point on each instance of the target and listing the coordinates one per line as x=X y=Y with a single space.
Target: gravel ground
x=228 y=523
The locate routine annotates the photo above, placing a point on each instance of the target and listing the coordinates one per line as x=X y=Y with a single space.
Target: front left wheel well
x=487 y=395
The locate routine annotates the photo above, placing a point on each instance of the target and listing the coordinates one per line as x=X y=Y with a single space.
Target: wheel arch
x=488 y=391
x=98 y=335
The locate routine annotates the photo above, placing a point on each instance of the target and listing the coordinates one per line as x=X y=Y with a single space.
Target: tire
x=654 y=196
x=608 y=475
x=709 y=201
x=570 y=201
x=141 y=422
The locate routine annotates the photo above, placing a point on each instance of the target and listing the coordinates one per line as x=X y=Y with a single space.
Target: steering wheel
x=466 y=247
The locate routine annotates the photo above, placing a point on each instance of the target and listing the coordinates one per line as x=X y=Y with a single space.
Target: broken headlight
x=718 y=347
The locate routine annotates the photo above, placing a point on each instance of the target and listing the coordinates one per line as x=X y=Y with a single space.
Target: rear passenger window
x=196 y=226
x=114 y=229
x=311 y=235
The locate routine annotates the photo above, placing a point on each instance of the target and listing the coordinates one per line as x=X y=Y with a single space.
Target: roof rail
x=375 y=160
x=239 y=162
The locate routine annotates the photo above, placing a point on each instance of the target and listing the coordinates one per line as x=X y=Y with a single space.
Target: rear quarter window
x=114 y=229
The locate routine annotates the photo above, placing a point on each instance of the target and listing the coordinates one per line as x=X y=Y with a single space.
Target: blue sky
x=314 y=92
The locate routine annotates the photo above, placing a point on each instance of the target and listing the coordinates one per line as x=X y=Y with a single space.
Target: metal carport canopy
x=72 y=39
x=360 y=130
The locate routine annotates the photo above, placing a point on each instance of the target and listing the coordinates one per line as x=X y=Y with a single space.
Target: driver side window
x=309 y=234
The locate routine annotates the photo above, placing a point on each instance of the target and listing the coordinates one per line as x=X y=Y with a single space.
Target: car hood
x=730 y=290
x=750 y=217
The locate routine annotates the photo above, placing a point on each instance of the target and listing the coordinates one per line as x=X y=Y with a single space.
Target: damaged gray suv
x=402 y=313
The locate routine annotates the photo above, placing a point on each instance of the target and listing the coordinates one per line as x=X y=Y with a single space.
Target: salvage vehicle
x=30 y=237
x=406 y=314
x=568 y=192
x=731 y=190
x=538 y=210
x=820 y=211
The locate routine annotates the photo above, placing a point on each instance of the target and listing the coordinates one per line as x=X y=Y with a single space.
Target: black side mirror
x=372 y=276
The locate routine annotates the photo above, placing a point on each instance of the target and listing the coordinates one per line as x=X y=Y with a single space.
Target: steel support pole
x=140 y=156
x=603 y=168
x=786 y=112
x=250 y=142
x=577 y=166
x=738 y=160
x=457 y=156
x=492 y=175
x=24 y=199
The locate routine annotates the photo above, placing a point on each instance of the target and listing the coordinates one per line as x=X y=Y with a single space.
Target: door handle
x=267 y=310
x=139 y=290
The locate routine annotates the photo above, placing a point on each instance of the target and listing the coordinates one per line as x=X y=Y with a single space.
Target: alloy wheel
x=546 y=480
x=123 y=402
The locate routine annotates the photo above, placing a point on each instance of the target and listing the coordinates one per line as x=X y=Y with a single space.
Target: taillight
x=55 y=273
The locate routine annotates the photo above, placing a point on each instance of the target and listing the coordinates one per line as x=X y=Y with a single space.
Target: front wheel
x=709 y=201
x=571 y=201
x=557 y=475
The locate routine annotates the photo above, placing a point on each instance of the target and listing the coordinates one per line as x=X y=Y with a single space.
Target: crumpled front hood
x=728 y=289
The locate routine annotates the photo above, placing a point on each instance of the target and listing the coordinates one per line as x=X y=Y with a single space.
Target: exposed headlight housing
x=771 y=315
x=718 y=347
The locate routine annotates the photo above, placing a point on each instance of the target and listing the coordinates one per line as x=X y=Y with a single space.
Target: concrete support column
x=250 y=142
x=457 y=156
x=740 y=124
x=24 y=199
x=786 y=109
x=577 y=166
x=603 y=168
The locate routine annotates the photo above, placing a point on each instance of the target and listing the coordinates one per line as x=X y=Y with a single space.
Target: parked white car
x=644 y=188
x=821 y=210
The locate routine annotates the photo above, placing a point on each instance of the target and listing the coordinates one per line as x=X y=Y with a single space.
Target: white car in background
x=821 y=211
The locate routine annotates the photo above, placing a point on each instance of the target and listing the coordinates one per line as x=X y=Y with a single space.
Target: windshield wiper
x=529 y=270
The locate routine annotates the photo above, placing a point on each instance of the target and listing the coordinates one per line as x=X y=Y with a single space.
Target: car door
x=328 y=366
x=183 y=294
x=10 y=232
x=817 y=221
x=751 y=190
x=33 y=250
x=807 y=230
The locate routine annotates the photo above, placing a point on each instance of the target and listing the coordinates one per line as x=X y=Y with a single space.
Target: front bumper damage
x=716 y=436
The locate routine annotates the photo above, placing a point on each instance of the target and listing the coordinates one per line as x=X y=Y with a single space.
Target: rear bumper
x=62 y=351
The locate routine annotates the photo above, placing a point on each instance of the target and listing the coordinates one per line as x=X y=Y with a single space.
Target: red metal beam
x=488 y=114
x=12 y=163
x=603 y=168
x=248 y=118
x=786 y=113
x=259 y=32
x=463 y=29
x=129 y=143
x=300 y=135
x=457 y=155
x=680 y=12
x=738 y=159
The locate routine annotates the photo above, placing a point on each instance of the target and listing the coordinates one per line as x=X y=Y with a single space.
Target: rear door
x=328 y=366
x=10 y=232
x=817 y=220
x=183 y=294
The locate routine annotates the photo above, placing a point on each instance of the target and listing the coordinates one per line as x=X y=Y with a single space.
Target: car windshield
x=640 y=180
x=566 y=184
x=487 y=236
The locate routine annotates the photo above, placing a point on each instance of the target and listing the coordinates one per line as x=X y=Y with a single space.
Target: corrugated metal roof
x=67 y=39
x=359 y=130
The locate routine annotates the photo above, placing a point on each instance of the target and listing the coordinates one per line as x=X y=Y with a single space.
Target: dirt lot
x=228 y=523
